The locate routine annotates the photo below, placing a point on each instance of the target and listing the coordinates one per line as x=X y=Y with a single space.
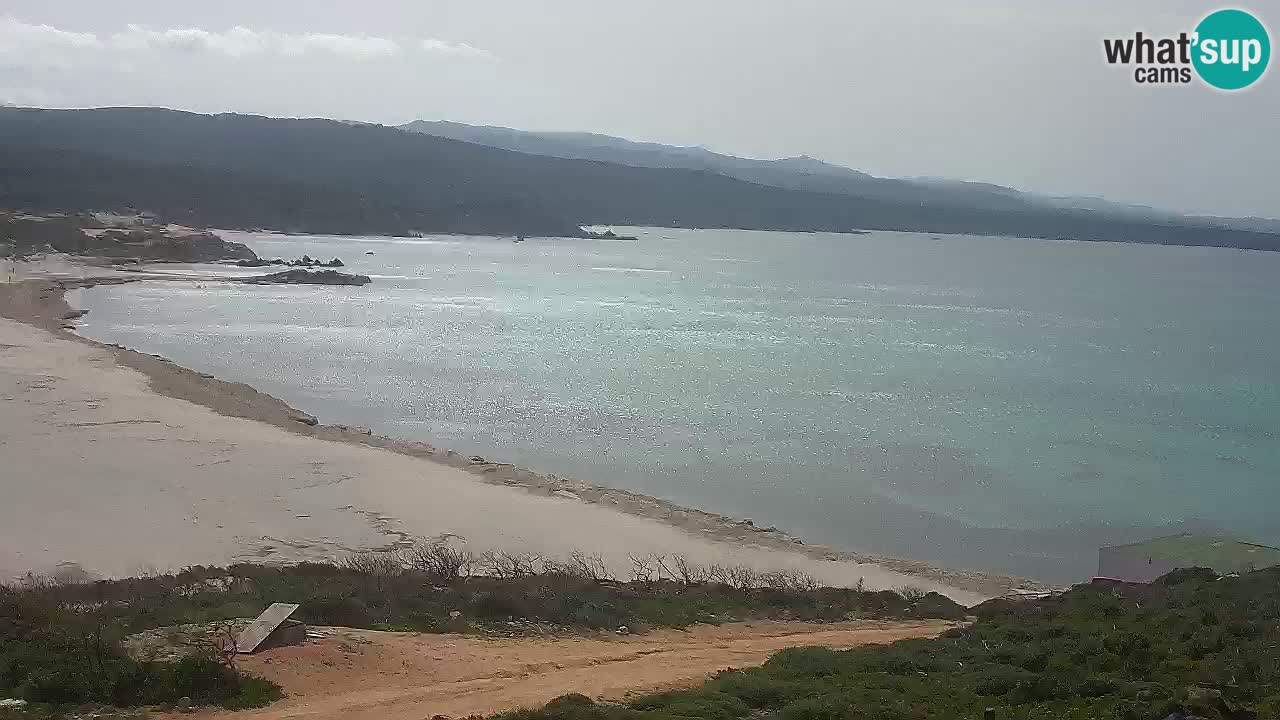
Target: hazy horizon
x=1014 y=94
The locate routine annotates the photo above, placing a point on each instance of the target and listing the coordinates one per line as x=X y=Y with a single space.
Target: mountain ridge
x=808 y=173
x=325 y=176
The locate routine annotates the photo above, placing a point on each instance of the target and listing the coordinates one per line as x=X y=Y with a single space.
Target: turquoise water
x=991 y=403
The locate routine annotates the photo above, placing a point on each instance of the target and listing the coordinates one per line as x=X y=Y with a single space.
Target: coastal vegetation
x=1190 y=645
x=63 y=640
x=57 y=652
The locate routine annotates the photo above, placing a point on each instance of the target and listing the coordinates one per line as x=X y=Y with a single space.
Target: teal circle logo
x=1232 y=49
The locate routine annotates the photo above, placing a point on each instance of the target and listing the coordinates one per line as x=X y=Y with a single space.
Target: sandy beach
x=121 y=463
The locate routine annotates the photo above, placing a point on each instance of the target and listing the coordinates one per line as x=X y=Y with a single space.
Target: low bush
x=56 y=654
x=1091 y=653
x=425 y=591
x=60 y=638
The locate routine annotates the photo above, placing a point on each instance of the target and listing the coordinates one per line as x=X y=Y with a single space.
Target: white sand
x=97 y=470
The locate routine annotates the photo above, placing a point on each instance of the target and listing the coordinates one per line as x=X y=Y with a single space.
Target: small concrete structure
x=1146 y=561
x=273 y=628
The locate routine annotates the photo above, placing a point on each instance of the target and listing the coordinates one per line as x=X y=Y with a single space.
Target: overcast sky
x=1013 y=92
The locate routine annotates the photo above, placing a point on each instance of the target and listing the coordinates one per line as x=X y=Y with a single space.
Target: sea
x=995 y=404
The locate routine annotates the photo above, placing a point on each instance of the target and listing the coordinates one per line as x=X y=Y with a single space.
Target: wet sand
x=122 y=462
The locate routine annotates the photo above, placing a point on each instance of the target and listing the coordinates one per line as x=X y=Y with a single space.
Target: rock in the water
x=73 y=314
x=308 y=261
x=303 y=418
x=308 y=277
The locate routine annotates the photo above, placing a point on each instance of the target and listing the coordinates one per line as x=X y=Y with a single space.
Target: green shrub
x=813 y=661
x=756 y=687
x=1097 y=687
x=568 y=701
x=1088 y=654
x=345 y=611
x=497 y=605
x=709 y=705
x=253 y=692
x=53 y=655
x=1000 y=680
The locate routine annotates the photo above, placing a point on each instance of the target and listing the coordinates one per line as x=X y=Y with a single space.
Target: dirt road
x=367 y=675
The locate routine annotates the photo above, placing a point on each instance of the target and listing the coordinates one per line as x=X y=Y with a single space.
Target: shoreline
x=41 y=302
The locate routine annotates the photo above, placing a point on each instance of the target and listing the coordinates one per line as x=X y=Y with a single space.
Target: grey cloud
x=241 y=41
x=41 y=43
x=441 y=47
x=1015 y=92
x=17 y=36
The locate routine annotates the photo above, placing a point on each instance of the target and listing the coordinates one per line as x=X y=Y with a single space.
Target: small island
x=309 y=277
x=606 y=235
x=305 y=261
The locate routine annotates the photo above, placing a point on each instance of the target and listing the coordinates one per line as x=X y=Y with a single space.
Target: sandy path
x=98 y=470
x=360 y=674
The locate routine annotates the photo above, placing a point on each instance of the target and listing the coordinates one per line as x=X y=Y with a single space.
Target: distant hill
x=807 y=173
x=794 y=173
x=1260 y=224
x=315 y=175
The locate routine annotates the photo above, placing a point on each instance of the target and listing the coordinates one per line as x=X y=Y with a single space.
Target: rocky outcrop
x=304 y=261
x=200 y=247
x=29 y=234
x=308 y=261
x=83 y=235
x=161 y=245
x=606 y=235
x=309 y=277
x=75 y=236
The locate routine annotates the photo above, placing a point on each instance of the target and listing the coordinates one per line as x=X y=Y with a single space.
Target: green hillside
x=313 y=175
